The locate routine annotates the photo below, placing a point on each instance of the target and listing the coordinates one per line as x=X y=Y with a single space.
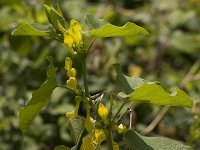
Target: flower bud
x=72 y=82
x=71 y=114
x=68 y=64
x=76 y=31
x=72 y=73
x=103 y=111
x=121 y=128
x=115 y=146
x=68 y=39
x=89 y=123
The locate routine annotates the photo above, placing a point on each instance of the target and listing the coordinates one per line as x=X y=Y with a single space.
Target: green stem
x=91 y=44
x=110 y=138
x=84 y=61
x=85 y=76
x=22 y=142
x=68 y=88
x=132 y=106
x=111 y=105
x=118 y=112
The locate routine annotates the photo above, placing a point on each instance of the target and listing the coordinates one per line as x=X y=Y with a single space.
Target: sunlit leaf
x=109 y=30
x=137 y=89
x=157 y=94
x=39 y=100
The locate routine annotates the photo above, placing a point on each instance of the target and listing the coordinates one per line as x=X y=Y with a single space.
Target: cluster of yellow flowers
x=72 y=83
x=97 y=136
x=71 y=73
x=73 y=37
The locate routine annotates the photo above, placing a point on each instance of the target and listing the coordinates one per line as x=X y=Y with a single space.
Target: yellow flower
x=99 y=136
x=103 y=111
x=68 y=39
x=74 y=113
x=72 y=82
x=73 y=36
x=121 y=128
x=72 y=73
x=68 y=64
x=87 y=143
x=75 y=30
x=89 y=123
x=71 y=114
x=115 y=146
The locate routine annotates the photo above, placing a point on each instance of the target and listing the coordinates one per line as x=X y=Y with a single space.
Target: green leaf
x=29 y=30
x=128 y=84
x=139 y=142
x=54 y=17
x=76 y=128
x=157 y=94
x=138 y=89
x=109 y=30
x=62 y=147
x=39 y=100
x=92 y=22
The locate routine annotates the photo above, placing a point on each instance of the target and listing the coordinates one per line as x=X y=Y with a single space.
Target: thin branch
x=65 y=87
x=196 y=77
x=132 y=106
x=190 y=74
x=131 y=117
x=123 y=104
x=85 y=80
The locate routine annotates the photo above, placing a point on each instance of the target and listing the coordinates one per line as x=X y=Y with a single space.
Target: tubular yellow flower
x=73 y=36
x=89 y=124
x=121 y=128
x=87 y=143
x=68 y=39
x=78 y=101
x=71 y=114
x=74 y=113
x=99 y=136
x=103 y=111
x=72 y=73
x=68 y=64
x=72 y=82
x=75 y=30
x=115 y=146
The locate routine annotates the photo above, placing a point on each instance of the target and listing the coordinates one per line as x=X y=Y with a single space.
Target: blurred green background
x=170 y=55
